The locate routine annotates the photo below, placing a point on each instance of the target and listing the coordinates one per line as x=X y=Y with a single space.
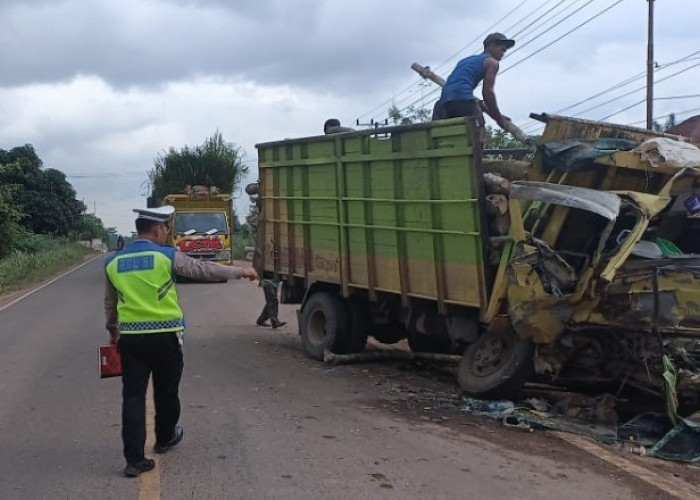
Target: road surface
x=261 y=420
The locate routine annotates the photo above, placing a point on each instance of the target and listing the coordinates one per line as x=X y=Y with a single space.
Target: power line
x=564 y=35
x=509 y=29
x=627 y=81
x=590 y=19
x=687 y=111
x=396 y=102
x=576 y=11
x=637 y=90
x=644 y=100
x=480 y=36
x=688 y=96
x=623 y=83
x=460 y=51
x=623 y=110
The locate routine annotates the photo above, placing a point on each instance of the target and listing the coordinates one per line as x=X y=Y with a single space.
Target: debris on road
x=388 y=355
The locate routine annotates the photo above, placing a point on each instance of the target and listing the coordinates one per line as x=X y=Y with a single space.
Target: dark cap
x=498 y=38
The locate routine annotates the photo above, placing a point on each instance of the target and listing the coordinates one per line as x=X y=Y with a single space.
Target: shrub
x=22 y=268
x=35 y=243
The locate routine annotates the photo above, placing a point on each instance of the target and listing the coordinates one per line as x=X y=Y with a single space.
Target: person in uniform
x=145 y=321
x=271 y=308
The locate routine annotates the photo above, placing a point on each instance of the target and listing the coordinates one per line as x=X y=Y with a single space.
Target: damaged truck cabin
x=582 y=266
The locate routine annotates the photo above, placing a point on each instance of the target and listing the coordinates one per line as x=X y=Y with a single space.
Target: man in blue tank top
x=457 y=97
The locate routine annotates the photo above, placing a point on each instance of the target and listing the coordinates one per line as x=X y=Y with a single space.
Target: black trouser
x=271 y=308
x=141 y=355
x=453 y=109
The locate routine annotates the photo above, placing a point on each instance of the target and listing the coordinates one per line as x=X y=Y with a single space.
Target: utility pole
x=650 y=67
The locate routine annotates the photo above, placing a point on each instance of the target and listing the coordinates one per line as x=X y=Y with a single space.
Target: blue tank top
x=464 y=78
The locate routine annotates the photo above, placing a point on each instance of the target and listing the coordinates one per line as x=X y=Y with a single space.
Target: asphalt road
x=261 y=420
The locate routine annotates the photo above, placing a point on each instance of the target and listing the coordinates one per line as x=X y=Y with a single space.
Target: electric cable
x=562 y=36
x=537 y=36
x=456 y=54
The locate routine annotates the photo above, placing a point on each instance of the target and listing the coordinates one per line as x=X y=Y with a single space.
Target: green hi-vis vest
x=142 y=274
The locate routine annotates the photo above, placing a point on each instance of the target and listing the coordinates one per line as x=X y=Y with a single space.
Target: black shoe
x=133 y=470
x=262 y=323
x=177 y=437
x=277 y=324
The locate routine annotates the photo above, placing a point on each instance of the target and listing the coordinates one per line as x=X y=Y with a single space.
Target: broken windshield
x=200 y=223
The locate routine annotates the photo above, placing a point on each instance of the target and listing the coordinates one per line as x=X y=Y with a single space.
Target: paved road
x=261 y=420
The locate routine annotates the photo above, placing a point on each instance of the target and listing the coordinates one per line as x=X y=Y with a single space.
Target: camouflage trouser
x=271 y=303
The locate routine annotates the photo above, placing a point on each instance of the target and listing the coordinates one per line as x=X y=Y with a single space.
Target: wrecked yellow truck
x=582 y=266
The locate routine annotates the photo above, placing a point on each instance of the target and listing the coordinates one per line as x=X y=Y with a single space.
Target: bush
x=22 y=268
x=10 y=233
x=35 y=243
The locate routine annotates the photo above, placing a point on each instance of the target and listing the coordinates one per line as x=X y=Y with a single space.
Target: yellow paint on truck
x=202 y=226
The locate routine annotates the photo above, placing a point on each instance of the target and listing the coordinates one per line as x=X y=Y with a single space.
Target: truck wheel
x=389 y=333
x=430 y=343
x=325 y=324
x=496 y=366
x=361 y=324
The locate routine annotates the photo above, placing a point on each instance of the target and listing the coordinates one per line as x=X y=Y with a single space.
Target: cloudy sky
x=101 y=87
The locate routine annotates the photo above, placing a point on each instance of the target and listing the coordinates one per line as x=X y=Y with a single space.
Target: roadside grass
x=22 y=268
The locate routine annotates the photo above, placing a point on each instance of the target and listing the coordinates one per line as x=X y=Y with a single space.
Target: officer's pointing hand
x=250 y=273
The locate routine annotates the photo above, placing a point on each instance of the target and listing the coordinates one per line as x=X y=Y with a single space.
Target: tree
x=214 y=163
x=251 y=219
x=500 y=139
x=409 y=115
x=92 y=227
x=670 y=122
x=44 y=201
x=9 y=216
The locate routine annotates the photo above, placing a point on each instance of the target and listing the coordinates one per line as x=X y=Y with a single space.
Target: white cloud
x=100 y=88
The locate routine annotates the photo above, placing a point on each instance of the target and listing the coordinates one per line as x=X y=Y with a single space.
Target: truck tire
x=325 y=324
x=496 y=366
x=389 y=333
x=361 y=325
x=430 y=343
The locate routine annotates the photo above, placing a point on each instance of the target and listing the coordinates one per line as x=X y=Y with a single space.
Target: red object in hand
x=110 y=361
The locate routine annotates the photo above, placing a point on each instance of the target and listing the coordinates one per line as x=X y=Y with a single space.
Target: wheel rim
x=317 y=327
x=491 y=353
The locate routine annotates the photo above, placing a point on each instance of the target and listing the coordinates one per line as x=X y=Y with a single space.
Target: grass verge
x=21 y=269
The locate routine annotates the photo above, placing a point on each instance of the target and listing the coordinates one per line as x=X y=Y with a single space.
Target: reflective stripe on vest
x=147 y=300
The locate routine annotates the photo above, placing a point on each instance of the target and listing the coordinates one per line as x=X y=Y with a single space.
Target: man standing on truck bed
x=145 y=321
x=457 y=97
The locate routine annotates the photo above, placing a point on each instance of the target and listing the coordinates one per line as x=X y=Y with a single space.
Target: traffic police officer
x=146 y=322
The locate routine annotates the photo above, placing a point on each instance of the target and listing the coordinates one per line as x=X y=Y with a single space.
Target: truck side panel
x=395 y=212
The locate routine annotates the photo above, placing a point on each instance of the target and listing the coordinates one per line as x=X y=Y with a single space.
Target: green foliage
x=240 y=241
x=409 y=115
x=500 y=139
x=21 y=268
x=91 y=227
x=214 y=163
x=35 y=243
x=670 y=122
x=9 y=215
x=42 y=200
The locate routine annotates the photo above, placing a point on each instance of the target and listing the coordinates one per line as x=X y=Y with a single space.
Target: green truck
x=563 y=268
